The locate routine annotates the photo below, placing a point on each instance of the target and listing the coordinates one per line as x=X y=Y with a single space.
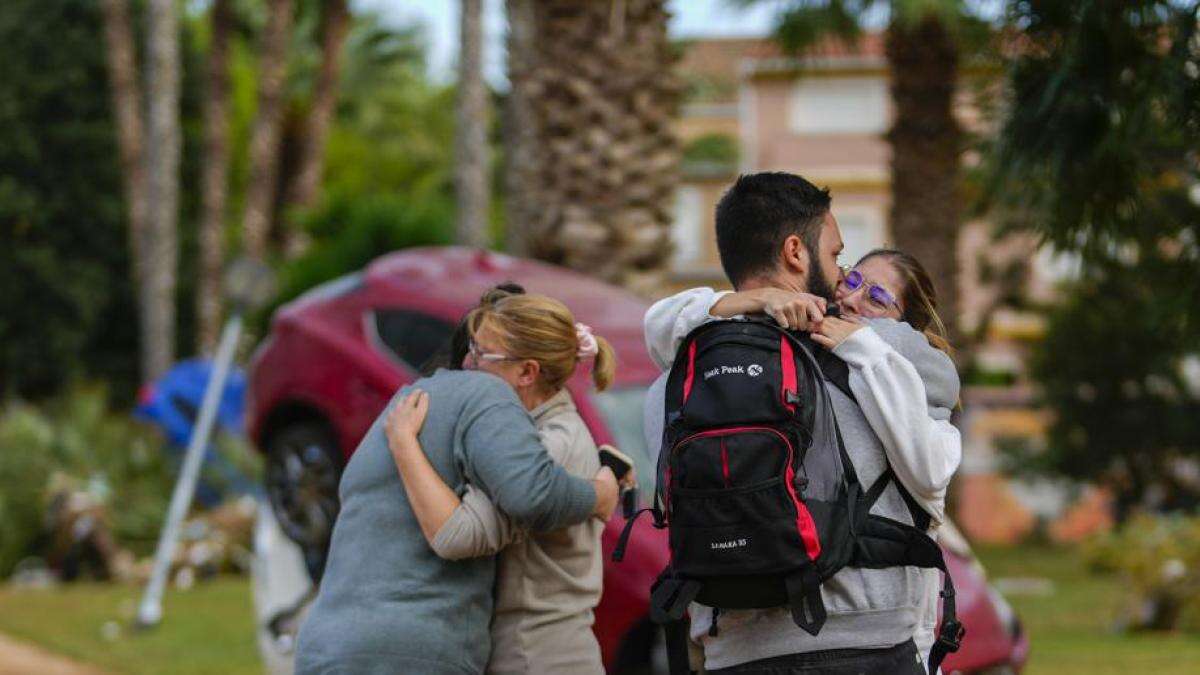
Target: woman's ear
x=530 y=370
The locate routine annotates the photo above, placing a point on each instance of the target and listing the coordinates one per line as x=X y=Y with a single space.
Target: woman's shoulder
x=568 y=440
x=564 y=422
x=472 y=388
x=934 y=366
x=911 y=343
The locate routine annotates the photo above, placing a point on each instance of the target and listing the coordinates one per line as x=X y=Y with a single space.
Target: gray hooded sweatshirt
x=387 y=603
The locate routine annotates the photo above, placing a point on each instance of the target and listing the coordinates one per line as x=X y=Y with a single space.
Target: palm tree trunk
x=926 y=142
x=214 y=180
x=595 y=166
x=335 y=23
x=519 y=139
x=266 y=132
x=471 y=150
x=127 y=110
x=162 y=186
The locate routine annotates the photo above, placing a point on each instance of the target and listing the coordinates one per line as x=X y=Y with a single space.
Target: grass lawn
x=209 y=629
x=1071 y=630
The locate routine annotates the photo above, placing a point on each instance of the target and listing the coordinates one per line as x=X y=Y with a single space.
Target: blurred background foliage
x=67 y=309
x=67 y=306
x=81 y=441
x=79 y=437
x=67 y=312
x=1158 y=560
x=1096 y=156
x=715 y=153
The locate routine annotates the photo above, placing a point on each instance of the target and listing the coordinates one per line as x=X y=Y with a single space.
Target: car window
x=411 y=336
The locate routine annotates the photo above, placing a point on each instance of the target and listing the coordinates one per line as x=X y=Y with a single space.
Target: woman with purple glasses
x=890 y=284
x=890 y=335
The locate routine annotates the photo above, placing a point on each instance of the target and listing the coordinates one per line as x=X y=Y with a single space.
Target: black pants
x=902 y=659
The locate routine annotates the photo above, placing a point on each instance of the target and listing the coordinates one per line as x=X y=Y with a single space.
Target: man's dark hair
x=758 y=213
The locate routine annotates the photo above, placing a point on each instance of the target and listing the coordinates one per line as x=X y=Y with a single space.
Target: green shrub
x=79 y=436
x=1158 y=557
x=711 y=153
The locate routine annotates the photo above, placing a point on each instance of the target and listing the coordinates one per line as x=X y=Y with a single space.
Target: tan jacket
x=546 y=584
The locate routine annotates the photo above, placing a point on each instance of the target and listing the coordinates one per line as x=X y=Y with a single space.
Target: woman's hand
x=608 y=493
x=830 y=332
x=405 y=420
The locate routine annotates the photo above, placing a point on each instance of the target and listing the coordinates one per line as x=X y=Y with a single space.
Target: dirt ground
x=22 y=658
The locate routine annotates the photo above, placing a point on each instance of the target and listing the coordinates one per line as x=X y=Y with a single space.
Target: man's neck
x=773 y=281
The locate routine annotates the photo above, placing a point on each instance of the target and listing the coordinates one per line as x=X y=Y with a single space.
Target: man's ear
x=794 y=256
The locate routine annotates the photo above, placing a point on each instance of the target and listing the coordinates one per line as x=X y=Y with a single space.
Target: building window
x=685 y=231
x=861 y=226
x=839 y=105
x=412 y=338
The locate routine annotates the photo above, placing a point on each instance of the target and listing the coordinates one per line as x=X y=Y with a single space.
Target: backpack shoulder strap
x=887 y=543
x=669 y=598
x=835 y=370
x=921 y=518
x=838 y=373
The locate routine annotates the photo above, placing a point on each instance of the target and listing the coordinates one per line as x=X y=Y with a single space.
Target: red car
x=336 y=355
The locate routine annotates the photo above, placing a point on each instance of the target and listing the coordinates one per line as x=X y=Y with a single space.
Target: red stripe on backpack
x=804 y=520
x=787 y=366
x=691 y=372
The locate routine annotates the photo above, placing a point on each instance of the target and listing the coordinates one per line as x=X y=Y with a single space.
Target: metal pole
x=150 y=610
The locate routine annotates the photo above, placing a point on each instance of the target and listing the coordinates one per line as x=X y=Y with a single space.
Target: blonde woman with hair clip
x=547 y=584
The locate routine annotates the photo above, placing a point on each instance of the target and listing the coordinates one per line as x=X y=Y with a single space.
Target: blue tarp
x=173 y=404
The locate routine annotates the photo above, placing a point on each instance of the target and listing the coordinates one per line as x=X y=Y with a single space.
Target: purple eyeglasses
x=852 y=280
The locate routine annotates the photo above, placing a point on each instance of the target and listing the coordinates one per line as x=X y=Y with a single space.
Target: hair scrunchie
x=588 y=348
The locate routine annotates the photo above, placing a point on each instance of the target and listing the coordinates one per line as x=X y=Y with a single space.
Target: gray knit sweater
x=387 y=603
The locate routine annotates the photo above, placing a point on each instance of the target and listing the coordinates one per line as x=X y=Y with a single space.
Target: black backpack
x=760 y=498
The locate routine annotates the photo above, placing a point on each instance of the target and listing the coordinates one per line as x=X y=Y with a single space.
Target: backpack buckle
x=951 y=635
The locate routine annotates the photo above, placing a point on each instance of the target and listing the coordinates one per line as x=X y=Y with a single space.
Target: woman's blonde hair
x=542 y=329
x=918 y=299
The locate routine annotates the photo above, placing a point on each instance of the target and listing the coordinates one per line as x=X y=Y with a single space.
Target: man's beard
x=817 y=285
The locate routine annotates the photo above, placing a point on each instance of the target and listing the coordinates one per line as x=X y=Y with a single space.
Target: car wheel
x=302 y=473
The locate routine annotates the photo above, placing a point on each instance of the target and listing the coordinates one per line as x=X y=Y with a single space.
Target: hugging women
x=392 y=603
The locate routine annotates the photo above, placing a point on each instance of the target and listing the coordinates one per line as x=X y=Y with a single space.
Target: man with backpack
x=857 y=595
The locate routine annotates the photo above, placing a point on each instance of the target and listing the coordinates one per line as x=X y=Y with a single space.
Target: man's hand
x=830 y=332
x=795 y=311
x=607 y=493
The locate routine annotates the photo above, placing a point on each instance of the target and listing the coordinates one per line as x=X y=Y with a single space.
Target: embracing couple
x=779 y=245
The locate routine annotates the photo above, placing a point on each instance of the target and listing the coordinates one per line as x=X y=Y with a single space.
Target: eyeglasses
x=852 y=280
x=477 y=355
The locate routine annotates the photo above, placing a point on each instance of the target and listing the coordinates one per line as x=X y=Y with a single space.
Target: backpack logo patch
x=753 y=370
x=726 y=545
